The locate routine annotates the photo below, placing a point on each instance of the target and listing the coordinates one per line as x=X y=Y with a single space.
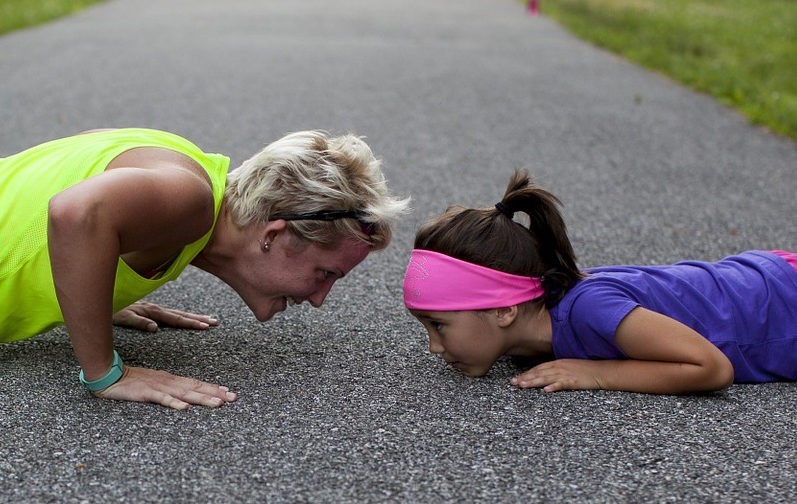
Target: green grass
x=742 y=52
x=16 y=14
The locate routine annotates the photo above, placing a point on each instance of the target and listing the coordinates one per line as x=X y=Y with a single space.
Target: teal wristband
x=111 y=377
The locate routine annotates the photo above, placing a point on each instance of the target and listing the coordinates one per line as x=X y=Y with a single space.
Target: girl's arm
x=90 y=225
x=664 y=357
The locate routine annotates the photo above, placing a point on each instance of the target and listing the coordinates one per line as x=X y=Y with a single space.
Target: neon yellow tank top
x=28 y=305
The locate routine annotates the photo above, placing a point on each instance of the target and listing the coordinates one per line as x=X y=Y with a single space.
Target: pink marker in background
x=534 y=7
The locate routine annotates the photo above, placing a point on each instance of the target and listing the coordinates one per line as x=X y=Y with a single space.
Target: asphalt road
x=344 y=404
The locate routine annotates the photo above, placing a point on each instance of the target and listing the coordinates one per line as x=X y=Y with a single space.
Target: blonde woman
x=94 y=222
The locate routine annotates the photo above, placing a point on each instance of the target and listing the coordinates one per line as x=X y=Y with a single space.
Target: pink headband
x=437 y=282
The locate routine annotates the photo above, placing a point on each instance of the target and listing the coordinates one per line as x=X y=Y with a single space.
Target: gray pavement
x=345 y=404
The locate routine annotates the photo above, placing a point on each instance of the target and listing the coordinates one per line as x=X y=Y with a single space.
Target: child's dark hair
x=489 y=237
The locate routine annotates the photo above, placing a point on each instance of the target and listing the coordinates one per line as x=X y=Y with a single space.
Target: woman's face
x=293 y=271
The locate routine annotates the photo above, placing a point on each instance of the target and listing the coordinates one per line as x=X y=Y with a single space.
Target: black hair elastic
x=504 y=210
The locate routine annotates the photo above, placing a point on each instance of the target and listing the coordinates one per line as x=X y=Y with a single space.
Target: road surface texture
x=345 y=404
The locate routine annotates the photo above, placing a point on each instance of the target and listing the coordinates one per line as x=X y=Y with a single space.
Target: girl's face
x=469 y=341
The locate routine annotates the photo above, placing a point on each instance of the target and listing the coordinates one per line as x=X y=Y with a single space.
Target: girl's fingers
x=543 y=376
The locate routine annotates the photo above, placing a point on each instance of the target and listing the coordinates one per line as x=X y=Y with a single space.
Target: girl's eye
x=437 y=326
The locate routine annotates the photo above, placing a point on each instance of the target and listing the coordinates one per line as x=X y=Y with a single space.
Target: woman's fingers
x=147 y=316
x=178 y=392
x=174 y=318
x=130 y=318
x=182 y=315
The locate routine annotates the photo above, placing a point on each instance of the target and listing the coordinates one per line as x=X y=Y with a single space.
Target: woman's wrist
x=112 y=376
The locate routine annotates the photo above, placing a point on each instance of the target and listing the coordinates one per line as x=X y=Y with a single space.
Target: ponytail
x=548 y=228
x=490 y=237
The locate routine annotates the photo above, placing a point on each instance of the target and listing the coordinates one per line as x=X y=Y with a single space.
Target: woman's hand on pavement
x=159 y=387
x=148 y=316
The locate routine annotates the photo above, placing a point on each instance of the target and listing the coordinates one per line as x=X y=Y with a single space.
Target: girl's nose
x=435 y=346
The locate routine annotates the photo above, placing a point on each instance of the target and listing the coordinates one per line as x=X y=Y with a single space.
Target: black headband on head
x=504 y=210
x=328 y=215
x=323 y=215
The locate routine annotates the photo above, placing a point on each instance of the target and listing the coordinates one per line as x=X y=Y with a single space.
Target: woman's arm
x=664 y=357
x=92 y=223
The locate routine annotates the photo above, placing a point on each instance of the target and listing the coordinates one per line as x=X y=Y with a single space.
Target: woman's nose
x=316 y=299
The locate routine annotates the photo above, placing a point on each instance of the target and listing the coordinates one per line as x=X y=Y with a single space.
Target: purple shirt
x=746 y=305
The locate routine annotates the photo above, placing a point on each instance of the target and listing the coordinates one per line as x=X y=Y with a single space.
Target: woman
x=94 y=222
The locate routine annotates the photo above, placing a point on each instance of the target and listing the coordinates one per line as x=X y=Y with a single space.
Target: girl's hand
x=146 y=316
x=563 y=374
x=664 y=357
x=159 y=387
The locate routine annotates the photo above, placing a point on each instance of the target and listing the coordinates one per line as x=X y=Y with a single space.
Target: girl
x=485 y=286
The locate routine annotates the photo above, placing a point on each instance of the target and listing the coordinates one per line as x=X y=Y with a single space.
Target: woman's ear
x=272 y=229
x=506 y=316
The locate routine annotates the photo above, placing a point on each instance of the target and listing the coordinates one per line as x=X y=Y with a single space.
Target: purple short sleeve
x=746 y=305
x=589 y=318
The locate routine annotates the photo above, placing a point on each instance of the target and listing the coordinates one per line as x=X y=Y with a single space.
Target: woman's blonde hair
x=309 y=171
